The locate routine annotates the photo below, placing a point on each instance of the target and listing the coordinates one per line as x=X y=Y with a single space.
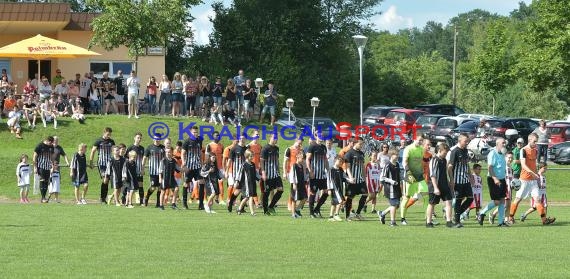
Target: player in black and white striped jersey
x=318 y=166
x=42 y=161
x=247 y=177
x=354 y=159
x=153 y=154
x=270 y=175
x=236 y=160
x=192 y=162
x=104 y=147
x=115 y=173
x=139 y=149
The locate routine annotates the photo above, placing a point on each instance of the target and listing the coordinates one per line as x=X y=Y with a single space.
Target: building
x=19 y=21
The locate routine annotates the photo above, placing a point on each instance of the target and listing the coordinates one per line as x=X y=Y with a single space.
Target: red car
x=558 y=133
x=405 y=117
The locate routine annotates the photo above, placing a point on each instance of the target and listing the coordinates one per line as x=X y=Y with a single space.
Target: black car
x=449 y=110
x=524 y=126
x=443 y=128
x=376 y=114
x=425 y=124
x=468 y=128
x=322 y=124
x=560 y=153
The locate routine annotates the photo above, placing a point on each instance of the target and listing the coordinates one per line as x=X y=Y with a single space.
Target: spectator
x=133 y=85
x=107 y=94
x=542 y=143
x=231 y=93
x=217 y=91
x=86 y=87
x=152 y=90
x=269 y=103
x=120 y=86
x=77 y=79
x=29 y=89
x=30 y=111
x=57 y=78
x=164 y=97
x=9 y=104
x=73 y=91
x=48 y=113
x=14 y=122
x=61 y=107
x=5 y=74
x=45 y=90
x=77 y=111
x=61 y=89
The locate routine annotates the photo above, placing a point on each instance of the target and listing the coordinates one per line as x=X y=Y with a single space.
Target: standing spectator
x=152 y=90
x=57 y=78
x=77 y=80
x=84 y=90
x=239 y=81
x=120 y=84
x=542 y=143
x=516 y=164
x=43 y=154
x=190 y=91
x=164 y=98
x=5 y=74
x=205 y=97
x=249 y=96
x=133 y=84
x=269 y=103
x=231 y=93
x=95 y=102
x=217 y=91
x=177 y=98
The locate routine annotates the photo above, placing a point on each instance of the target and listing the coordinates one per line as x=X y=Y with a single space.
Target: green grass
x=64 y=240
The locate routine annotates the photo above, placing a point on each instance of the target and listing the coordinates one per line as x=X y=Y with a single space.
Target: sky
x=395 y=14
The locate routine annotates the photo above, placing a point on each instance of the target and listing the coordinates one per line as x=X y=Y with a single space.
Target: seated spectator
x=45 y=90
x=29 y=88
x=61 y=89
x=216 y=115
x=77 y=111
x=48 y=113
x=30 y=110
x=61 y=107
x=229 y=114
x=14 y=122
x=73 y=92
x=9 y=104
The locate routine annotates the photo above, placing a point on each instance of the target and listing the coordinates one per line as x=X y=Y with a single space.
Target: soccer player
x=354 y=160
x=477 y=189
x=528 y=178
x=496 y=182
x=103 y=146
x=298 y=176
x=212 y=175
x=460 y=180
x=318 y=166
x=247 y=177
x=78 y=173
x=225 y=163
x=270 y=175
x=234 y=163
x=192 y=162
x=541 y=190
x=130 y=177
x=439 y=186
x=255 y=148
x=139 y=150
x=288 y=161
x=55 y=181
x=153 y=154
x=23 y=175
x=373 y=173
x=392 y=189
x=42 y=164
x=115 y=173
x=331 y=152
x=167 y=179
x=416 y=186
x=216 y=148
x=335 y=181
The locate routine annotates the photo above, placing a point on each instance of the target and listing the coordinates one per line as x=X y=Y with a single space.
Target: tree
x=140 y=24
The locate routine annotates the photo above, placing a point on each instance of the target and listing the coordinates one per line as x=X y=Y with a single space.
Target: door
x=45 y=68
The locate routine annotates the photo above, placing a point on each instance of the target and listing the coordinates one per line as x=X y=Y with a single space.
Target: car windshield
x=555 y=130
x=494 y=123
x=324 y=122
x=447 y=123
x=373 y=111
x=426 y=120
x=393 y=114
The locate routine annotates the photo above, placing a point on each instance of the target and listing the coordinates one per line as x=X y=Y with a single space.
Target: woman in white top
x=177 y=97
x=164 y=88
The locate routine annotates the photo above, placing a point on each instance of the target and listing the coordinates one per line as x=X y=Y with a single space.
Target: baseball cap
x=520 y=140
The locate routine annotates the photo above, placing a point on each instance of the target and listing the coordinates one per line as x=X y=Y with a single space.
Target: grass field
x=64 y=240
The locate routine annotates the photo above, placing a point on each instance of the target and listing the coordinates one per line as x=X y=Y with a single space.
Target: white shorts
x=133 y=98
x=477 y=200
x=528 y=188
x=53 y=187
x=231 y=180
x=543 y=199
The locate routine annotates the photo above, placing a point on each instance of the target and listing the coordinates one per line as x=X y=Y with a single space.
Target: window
x=111 y=67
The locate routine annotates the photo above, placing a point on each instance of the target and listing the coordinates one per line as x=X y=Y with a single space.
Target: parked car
x=426 y=123
x=469 y=128
x=476 y=116
x=443 y=128
x=283 y=119
x=449 y=110
x=377 y=114
x=524 y=126
x=324 y=124
x=406 y=117
x=558 y=133
x=560 y=153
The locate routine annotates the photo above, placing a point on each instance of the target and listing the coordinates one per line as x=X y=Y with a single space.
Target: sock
x=361 y=203
x=201 y=196
x=501 y=212
x=322 y=200
x=231 y=203
x=43 y=189
x=185 y=196
x=230 y=191
x=458 y=211
x=148 y=194
x=410 y=202
x=265 y=201
x=124 y=195
x=158 y=197
x=276 y=198
x=348 y=206
x=487 y=208
x=311 y=204
x=514 y=209
x=141 y=194
x=221 y=188
x=103 y=193
x=465 y=204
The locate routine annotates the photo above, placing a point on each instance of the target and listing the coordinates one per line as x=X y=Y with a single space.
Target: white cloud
x=202 y=27
x=390 y=20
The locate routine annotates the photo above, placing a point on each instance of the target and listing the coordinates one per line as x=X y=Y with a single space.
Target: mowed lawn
x=65 y=240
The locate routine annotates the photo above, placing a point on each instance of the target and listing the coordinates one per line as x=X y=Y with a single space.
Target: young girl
x=336 y=178
x=78 y=173
x=298 y=176
x=77 y=110
x=216 y=115
x=48 y=114
x=212 y=174
x=130 y=177
x=247 y=177
x=373 y=172
x=541 y=191
x=23 y=171
x=54 y=186
x=168 y=167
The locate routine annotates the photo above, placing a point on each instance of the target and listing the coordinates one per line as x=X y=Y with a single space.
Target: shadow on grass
x=18 y=226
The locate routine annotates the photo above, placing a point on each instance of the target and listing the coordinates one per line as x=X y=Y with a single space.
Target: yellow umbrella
x=40 y=47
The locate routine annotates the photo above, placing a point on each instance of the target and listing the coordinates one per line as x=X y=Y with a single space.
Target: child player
x=541 y=191
x=392 y=189
x=212 y=174
x=298 y=176
x=55 y=182
x=23 y=172
x=247 y=176
x=477 y=188
x=373 y=172
x=115 y=173
x=78 y=173
x=167 y=180
x=439 y=186
x=336 y=179
x=131 y=177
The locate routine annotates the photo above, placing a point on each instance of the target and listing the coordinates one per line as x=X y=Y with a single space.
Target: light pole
x=454 y=86
x=289 y=103
x=360 y=43
x=314 y=103
x=259 y=84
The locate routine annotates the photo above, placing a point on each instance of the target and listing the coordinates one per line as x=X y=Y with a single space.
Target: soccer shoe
x=429 y=225
x=117 y=204
x=374 y=211
x=83 y=201
x=491 y=219
x=523 y=217
x=503 y=225
x=331 y=219
x=382 y=217
x=404 y=222
x=174 y=207
x=434 y=222
x=298 y=212
x=458 y=225
x=130 y=206
x=449 y=224
x=252 y=214
x=463 y=216
x=365 y=208
x=433 y=215
x=79 y=203
x=393 y=224
x=313 y=216
x=549 y=221
x=266 y=213
x=272 y=210
x=359 y=217
x=481 y=219
x=337 y=218
x=318 y=214
x=222 y=203
x=161 y=207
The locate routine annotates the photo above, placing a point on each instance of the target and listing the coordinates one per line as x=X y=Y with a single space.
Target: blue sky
x=396 y=14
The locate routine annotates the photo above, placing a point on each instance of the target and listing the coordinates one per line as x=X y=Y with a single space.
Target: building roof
x=57 y=15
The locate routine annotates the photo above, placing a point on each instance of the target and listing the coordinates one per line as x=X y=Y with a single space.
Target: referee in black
x=460 y=179
x=270 y=175
x=318 y=167
x=42 y=160
x=354 y=159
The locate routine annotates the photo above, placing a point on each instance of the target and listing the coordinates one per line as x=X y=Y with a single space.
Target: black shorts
x=212 y=188
x=118 y=185
x=356 y=189
x=299 y=194
x=102 y=171
x=463 y=190
x=110 y=97
x=497 y=192
x=169 y=185
x=273 y=183
x=154 y=181
x=317 y=184
x=250 y=190
x=44 y=174
x=131 y=186
x=444 y=195
x=192 y=174
x=336 y=197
